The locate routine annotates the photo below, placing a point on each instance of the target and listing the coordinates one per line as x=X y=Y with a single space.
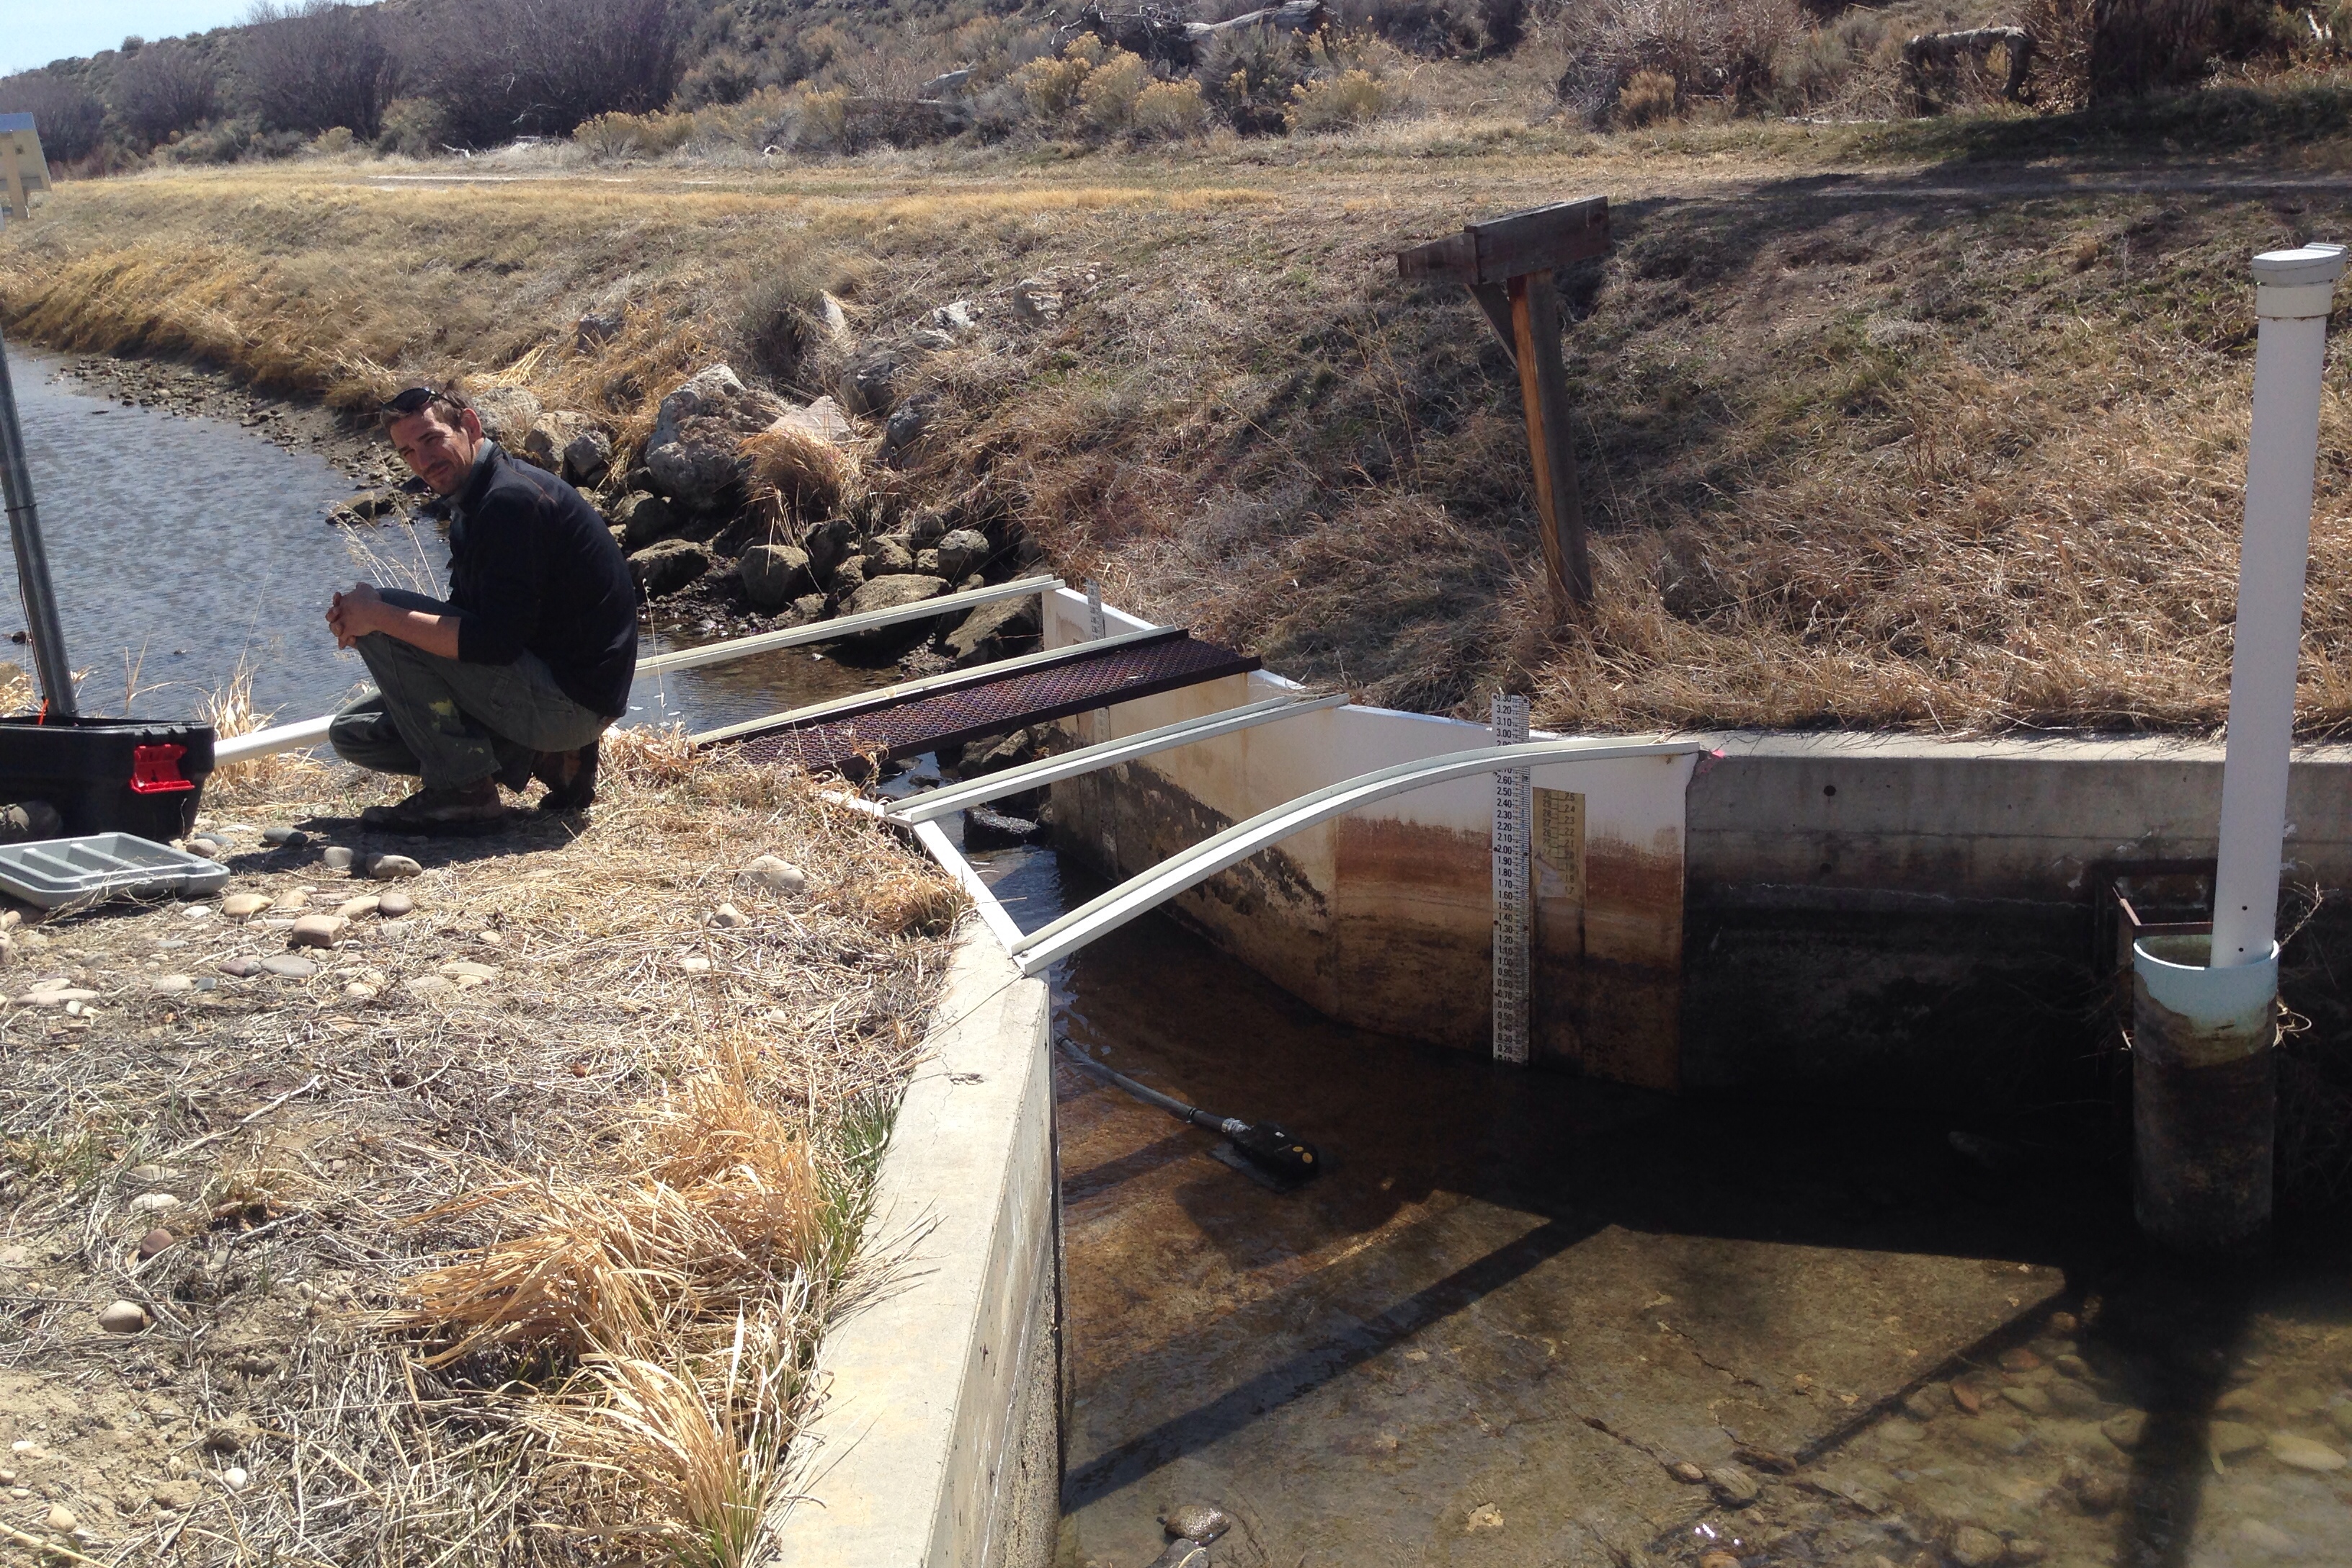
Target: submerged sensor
x=1272 y=1153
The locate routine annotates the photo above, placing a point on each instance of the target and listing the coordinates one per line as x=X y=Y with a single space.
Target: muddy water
x=179 y=545
x=1518 y=1306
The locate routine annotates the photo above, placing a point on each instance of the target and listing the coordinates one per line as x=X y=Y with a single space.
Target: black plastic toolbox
x=109 y=775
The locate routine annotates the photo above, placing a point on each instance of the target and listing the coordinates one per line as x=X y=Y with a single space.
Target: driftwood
x=1941 y=51
x=1165 y=35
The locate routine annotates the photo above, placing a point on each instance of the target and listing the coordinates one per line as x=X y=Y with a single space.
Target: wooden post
x=1543 y=389
x=1507 y=264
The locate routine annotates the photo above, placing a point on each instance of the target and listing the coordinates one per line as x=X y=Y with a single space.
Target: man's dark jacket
x=533 y=569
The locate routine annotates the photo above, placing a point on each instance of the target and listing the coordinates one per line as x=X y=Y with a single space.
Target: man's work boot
x=570 y=778
x=471 y=808
x=516 y=773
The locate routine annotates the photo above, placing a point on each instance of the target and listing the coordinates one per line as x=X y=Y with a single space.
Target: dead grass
x=528 y=1272
x=1859 y=447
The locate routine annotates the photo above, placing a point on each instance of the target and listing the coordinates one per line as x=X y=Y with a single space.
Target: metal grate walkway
x=988 y=701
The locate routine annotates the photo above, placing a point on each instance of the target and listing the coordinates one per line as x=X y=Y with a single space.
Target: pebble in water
x=393 y=906
x=1734 y=1485
x=2303 y=1453
x=2072 y=1398
x=2230 y=1438
x=394 y=867
x=2126 y=1431
x=2019 y=1360
x=2030 y=1399
x=1965 y=1397
x=1684 y=1472
x=1201 y=1521
x=1923 y=1406
x=2074 y=1367
x=1973 y=1546
x=2268 y=1537
x=123 y=1318
x=286 y=966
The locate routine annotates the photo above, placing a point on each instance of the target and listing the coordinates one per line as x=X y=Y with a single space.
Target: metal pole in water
x=1511 y=842
x=32 y=561
x=2205 y=1010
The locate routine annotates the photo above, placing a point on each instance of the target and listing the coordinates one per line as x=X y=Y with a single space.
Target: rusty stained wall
x=1384 y=920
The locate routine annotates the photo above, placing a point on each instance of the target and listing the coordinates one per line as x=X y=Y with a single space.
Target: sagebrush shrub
x=1646 y=97
x=1334 y=103
x=1166 y=110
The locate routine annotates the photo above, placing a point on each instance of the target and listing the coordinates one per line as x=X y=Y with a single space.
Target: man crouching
x=518 y=674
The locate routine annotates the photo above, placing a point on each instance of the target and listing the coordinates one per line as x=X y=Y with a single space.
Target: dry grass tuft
x=909 y=902
x=727 y=1201
x=813 y=475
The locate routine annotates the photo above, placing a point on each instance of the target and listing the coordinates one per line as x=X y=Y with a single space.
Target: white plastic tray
x=54 y=871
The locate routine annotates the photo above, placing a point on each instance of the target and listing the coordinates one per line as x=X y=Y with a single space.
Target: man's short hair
x=444 y=403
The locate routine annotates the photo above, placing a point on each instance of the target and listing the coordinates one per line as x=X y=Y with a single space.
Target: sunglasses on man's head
x=413 y=401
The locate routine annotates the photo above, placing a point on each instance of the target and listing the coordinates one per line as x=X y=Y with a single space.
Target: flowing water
x=179 y=545
x=1516 y=1305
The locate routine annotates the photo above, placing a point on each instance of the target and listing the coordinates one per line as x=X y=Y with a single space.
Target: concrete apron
x=938 y=1439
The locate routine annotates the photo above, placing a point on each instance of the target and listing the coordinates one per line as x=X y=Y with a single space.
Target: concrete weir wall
x=1384 y=918
x=1881 y=918
x=1898 y=918
x=936 y=1444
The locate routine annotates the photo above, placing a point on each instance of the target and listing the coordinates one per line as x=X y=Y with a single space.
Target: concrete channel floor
x=1512 y=1305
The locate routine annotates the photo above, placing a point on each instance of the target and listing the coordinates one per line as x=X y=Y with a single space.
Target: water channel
x=1521 y=1318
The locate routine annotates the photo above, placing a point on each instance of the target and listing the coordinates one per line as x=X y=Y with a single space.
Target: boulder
x=890 y=592
x=694 y=452
x=956 y=316
x=871 y=385
x=828 y=544
x=507 y=414
x=588 y=457
x=643 y=519
x=905 y=430
x=987 y=633
x=594 y=329
x=931 y=525
x=888 y=556
x=774 y=574
x=809 y=606
x=549 y=434
x=666 y=567
x=848 y=578
x=1007 y=750
x=961 y=554
x=1036 y=300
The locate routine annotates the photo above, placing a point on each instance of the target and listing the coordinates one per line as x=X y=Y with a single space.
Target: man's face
x=442 y=457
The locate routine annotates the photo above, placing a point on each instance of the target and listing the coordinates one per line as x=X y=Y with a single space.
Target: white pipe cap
x=2304 y=264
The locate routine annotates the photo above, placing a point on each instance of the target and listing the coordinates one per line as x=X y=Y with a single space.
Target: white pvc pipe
x=2293 y=292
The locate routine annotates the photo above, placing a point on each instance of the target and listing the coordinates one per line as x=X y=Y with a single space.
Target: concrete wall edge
x=906 y=1460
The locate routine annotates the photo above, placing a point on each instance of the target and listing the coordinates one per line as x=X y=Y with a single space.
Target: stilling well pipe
x=2205 y=1011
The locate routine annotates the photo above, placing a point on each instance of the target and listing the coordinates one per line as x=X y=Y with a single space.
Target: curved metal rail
x=1040 y=948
